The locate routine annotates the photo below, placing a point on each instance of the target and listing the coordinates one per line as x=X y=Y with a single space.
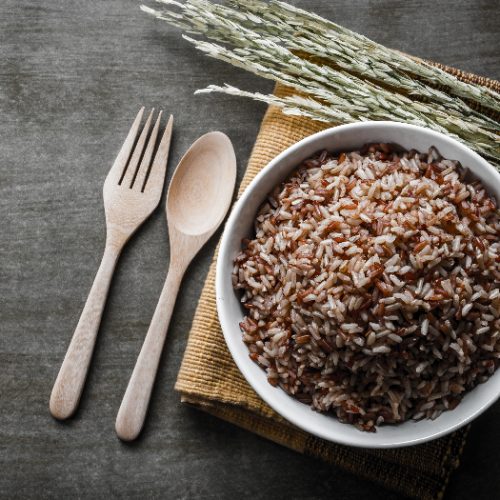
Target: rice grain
x=372 y=285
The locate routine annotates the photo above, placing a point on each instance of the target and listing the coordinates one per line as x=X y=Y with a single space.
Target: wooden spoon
x=198 y=198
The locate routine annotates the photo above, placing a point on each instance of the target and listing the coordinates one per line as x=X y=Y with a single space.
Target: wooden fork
x=131 y=192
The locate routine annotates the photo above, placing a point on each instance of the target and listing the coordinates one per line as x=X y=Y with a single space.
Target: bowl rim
x=227 y=326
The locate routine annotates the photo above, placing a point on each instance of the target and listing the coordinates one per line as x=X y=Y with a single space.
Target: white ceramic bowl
x=240 y=225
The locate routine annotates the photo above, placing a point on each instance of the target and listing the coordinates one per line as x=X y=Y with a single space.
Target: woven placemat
x=210 y=380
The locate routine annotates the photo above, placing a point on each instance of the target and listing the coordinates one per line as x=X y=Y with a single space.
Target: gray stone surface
x=72 y=75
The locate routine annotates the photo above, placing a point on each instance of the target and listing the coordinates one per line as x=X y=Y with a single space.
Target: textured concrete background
x=72 y=76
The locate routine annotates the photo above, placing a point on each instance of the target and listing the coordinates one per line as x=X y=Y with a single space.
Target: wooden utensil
x=131 y=192
x=198 y=198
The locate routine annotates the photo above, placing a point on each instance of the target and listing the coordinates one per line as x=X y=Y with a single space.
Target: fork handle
x=133 y=408
x=71 y=378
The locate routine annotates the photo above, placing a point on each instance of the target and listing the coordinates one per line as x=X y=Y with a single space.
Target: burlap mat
x=209 y=379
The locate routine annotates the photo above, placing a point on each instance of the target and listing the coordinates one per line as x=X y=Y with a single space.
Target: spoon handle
x=132 y=412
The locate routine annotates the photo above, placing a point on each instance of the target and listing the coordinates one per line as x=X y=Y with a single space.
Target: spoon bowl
x=202 y=186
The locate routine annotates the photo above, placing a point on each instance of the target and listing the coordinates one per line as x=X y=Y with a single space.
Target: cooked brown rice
x=372 y=286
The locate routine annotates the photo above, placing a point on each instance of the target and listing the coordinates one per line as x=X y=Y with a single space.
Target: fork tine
x=116 y=172
x=156 y=176
x=129 y=174
x=142 y=171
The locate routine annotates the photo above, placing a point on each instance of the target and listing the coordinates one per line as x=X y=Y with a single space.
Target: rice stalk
x=251 y=42
x=374 y=51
